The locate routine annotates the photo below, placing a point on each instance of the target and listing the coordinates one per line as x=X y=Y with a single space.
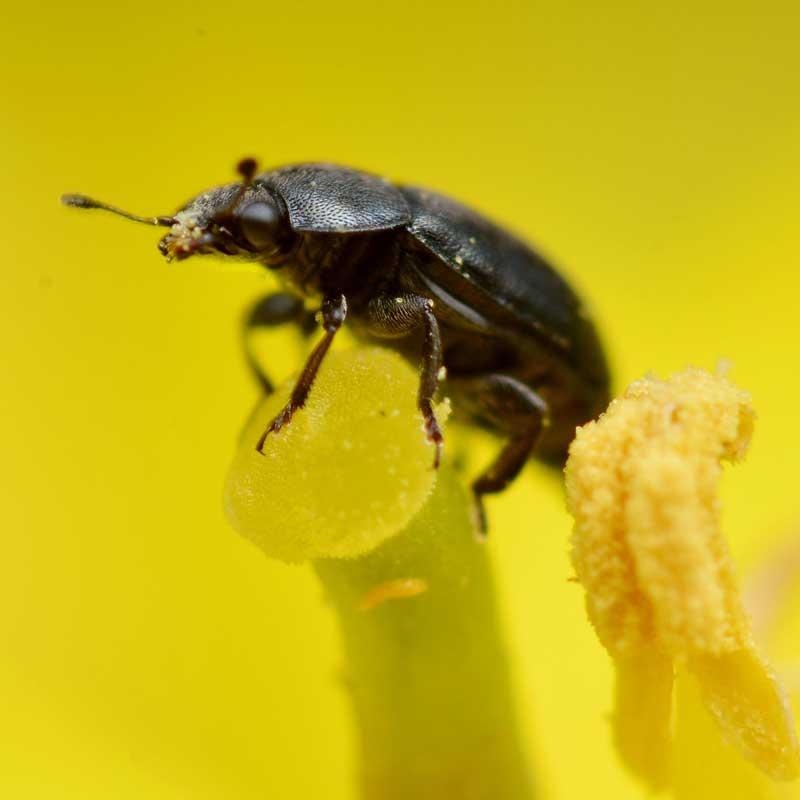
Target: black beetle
x=488 y=314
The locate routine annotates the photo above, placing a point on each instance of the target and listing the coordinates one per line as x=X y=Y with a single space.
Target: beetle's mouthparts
x=187 y=238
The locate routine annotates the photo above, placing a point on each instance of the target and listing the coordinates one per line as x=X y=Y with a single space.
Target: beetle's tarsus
x=280 y=421
x=283 y=419
x=480 y=523
x=434 y=433
x=437 y=457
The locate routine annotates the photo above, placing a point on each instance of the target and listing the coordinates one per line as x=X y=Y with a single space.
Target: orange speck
x=396 y=589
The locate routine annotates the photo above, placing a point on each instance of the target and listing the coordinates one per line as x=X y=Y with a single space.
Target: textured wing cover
x=492 y=259
x=325 y=198
x=510 y=274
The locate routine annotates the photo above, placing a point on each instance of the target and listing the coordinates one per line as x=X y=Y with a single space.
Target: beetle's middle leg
x=394 y=316
x=508 y=404
x=278 y=308
x=333 y=313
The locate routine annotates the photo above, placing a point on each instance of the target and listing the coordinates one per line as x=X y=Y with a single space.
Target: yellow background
x=651 y=149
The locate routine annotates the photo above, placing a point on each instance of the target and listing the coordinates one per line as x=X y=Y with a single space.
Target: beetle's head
x=240 y=219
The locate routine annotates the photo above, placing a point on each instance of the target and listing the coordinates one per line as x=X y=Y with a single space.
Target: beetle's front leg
x=333 y=314
x=390 y=317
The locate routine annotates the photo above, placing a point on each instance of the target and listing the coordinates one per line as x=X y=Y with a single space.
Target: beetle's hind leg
x=271 y=311
x=509 y=404
x=394 y=316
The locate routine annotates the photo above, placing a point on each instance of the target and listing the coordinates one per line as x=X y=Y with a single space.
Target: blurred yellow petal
x=751 y=709
x=642 y=715
x=641 y=485
x=773 y=599
x=704 y=765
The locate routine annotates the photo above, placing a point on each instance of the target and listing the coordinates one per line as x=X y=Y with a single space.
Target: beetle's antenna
x=247 y=169
x=82 y=201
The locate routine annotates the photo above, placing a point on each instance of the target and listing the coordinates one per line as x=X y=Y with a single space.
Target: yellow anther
x=659 y=580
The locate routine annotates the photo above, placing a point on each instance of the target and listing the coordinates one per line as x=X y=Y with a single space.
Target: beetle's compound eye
x=260 y=224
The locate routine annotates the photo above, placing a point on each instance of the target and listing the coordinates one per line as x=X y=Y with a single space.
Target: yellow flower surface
x=349 y=472
x=352 y=475
x=650 y=151
x=660 y=583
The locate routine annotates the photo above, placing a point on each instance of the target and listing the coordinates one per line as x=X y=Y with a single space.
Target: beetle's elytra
x=423 y=273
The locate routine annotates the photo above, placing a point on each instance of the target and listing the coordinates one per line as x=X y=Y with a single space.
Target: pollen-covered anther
x=660 y=585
